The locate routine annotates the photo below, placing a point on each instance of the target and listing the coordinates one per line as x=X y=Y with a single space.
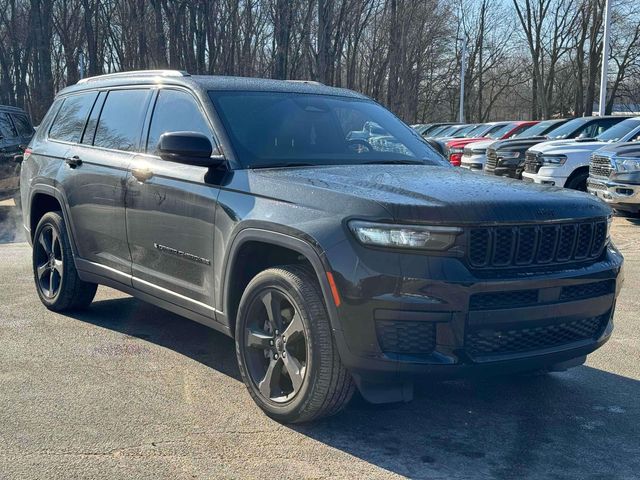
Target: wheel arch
x=254 y=241
x=44 y=199
x=581 y=170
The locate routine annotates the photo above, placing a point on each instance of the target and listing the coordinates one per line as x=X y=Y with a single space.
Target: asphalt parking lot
x=126 y=390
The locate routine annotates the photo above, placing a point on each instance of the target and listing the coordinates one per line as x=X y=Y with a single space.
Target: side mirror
x=190 y=148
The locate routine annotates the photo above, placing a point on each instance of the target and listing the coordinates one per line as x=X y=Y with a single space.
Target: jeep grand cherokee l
x=242 y=204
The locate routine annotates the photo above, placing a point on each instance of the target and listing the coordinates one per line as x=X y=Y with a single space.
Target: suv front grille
x=514 y=246
x=528 y=298
x=492 y=160
x=600 y=166
x=521 y=340
x=532 y=163
x=406 y=337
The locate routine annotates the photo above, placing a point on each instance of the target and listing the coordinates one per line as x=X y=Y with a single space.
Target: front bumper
x=511 y=171
x=544 y=179
x=474 y=163
x=404 y=315
x=621 y=196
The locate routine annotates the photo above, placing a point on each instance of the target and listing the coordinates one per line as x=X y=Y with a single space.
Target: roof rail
x=310 y=82
x=137 y=73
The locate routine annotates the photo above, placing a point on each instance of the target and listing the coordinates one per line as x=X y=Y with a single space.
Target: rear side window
x=69 y=124
x=22 y=125
x=120 y=123
x=6 y=127
x=175 y=111
x=92 y=123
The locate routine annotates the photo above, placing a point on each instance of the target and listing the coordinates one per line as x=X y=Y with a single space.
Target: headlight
x=627 y=164
x=478 y=152
x=507 y=154
x=553 y=159
x=456 y=150
x=405 y=236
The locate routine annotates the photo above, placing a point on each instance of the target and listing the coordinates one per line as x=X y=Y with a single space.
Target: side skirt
x=159 y=302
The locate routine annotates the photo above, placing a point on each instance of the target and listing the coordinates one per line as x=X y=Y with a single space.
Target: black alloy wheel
x=276 y=346
x=48 y=262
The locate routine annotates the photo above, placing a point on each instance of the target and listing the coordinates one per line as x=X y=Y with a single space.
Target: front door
x=170 y=212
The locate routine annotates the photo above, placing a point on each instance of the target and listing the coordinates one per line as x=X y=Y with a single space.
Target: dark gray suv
x=334 y=261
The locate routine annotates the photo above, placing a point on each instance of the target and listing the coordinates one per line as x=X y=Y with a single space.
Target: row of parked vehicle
x=600 y=155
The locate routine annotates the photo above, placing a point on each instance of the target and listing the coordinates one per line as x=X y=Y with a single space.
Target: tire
x=54 y=271
x=294 y=375
x=578 y=182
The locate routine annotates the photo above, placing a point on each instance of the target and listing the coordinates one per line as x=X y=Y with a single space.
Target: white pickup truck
x=565 y=163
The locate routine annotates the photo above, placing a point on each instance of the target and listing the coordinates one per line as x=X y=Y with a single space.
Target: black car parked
x=335 y=264
x=15 y=132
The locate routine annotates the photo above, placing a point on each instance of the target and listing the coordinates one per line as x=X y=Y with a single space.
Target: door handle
x=142 y=174
x=74 y=161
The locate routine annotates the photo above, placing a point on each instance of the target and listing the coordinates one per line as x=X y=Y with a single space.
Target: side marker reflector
x=334 y=289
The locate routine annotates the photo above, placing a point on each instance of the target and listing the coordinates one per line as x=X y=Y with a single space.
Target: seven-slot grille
x=514 y=246
x=600 y=166
x=492 y=160
x=532 y=162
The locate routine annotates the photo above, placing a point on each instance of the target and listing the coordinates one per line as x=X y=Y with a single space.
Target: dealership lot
x=126 y=390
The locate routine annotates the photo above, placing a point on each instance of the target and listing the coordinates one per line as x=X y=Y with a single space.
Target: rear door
x=96 y=180
x=170 y=211
x=9 y=148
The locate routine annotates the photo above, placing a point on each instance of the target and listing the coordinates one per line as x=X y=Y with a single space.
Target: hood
x=628 y=149
x=422 y=194
x=564 y=146
x=462 y=142
x=517 y=143
x=482 y=145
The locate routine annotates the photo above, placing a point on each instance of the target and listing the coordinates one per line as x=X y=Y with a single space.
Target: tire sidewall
x=291 y=409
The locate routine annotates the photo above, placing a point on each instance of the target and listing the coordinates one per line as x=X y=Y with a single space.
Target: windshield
x=500 y=131
x=534 y=130
x=468 y=131
x=566 y=130
x=436 y=130
x=269 y=129
x=619 y=131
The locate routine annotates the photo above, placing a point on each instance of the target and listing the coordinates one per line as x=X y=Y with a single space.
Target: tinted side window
x=22 y=125
x=92 y=123
x=175 y=111
x=69 y=123
x=6 y=127
x=599 y=126
x=121 y=120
